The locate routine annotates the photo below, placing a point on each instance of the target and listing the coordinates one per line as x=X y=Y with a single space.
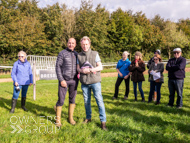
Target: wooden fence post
x=34 y=81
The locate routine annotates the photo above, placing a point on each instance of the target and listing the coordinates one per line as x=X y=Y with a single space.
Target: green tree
x=174 y=38
x=158 y=21
x=54 y=27
x=152 y=36
x=121 y=32
x=92 y=23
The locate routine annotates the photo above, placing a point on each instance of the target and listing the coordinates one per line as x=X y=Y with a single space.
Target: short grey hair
x=22 y=53
x=126 y=52
x=85 y=38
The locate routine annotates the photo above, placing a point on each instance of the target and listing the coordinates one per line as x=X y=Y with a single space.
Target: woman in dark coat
x=156 y=67
x=137 y=68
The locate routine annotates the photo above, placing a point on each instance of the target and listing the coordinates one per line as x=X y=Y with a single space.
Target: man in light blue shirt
x=123 y=74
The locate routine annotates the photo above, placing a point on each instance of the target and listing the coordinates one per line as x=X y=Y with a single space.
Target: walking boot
x=58 y=116
x=143 y=100
x=103 y=126
x=135 y=98
x=13 y=105
x=23 y=101
x=71 y=111
x=155 y=96
x=87 y=121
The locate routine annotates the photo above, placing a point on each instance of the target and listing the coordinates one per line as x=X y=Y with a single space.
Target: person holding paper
x=148 y=65
x=137 y=68
x=123 y=74
x=156 y=77
x=91 y=80
x=176 y=74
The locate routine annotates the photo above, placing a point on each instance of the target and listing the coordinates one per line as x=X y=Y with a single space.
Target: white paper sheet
x=156 y=75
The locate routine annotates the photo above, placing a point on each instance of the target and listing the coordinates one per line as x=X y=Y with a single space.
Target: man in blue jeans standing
x=91 y=80
x=176 y=74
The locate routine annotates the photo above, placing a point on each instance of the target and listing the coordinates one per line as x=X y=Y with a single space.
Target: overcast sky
x=167 y=9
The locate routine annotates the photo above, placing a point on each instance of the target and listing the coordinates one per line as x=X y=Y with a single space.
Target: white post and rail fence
x=43 y=68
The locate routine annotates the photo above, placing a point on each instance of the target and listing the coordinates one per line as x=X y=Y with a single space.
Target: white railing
x=49 y=62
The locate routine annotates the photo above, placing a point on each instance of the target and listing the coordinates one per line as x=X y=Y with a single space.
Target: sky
x=167 y=9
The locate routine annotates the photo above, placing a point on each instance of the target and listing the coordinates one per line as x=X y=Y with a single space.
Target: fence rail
x=49 y=62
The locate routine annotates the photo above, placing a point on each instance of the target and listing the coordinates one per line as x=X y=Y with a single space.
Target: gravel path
x=114 y=74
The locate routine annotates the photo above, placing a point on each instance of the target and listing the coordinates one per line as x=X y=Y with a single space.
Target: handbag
x=158 y=80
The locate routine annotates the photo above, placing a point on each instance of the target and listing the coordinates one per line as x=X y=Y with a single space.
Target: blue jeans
x=96 y=88
x=140 y=88
x=154 y=85
x=16 y=93
x=176 y=85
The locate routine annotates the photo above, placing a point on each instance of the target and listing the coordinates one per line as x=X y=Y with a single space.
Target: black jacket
x=176 y=68
x=66 y=65
x=150 y=62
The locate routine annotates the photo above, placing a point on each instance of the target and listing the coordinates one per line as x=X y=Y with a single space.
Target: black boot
x=13 y=105
x=135 y=98
x=143 y=100
x=23 y=101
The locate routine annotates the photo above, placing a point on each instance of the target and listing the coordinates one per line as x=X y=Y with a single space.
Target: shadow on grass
x=36 y=109
x=133 y=135
x=150 y=120
x=11 y=93
x=108 y=99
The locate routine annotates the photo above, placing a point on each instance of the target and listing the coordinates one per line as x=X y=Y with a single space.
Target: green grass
x=127 y=121
x=188 y=65
x=109 y=70
x=5 y=76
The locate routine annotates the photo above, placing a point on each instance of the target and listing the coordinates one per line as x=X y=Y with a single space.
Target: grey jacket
x=89 y=56
x=158 y=68
x=66 y=65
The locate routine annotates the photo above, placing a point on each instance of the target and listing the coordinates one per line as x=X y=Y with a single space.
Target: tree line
x=45 y=31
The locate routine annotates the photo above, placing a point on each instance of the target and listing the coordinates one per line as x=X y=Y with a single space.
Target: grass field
x=5 y=76
x=127 y=121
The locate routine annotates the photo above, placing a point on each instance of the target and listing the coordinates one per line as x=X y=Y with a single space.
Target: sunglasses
x=176 y=53
x=155 y=59
x=21 y=56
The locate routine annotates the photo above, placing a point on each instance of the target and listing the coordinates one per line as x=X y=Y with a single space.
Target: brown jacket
x=137 y=72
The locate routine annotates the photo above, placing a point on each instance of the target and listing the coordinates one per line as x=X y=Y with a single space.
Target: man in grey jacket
x=91 y=80
x=67 y=75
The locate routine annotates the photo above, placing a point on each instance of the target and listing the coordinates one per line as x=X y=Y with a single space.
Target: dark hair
x=158 y=52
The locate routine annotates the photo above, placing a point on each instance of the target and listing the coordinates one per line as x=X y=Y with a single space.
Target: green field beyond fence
x=127 y=121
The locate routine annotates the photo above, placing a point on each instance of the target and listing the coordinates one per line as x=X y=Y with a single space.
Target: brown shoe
x=113 y=98
x=103 y=126
x=125 y=97
x=87 y=121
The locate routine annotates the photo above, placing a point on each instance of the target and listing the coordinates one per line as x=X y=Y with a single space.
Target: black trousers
x=72 y=86
x=117 y=84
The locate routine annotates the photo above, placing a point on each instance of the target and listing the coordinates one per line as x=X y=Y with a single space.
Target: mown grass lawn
x=127 y=121
x=5 y=76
